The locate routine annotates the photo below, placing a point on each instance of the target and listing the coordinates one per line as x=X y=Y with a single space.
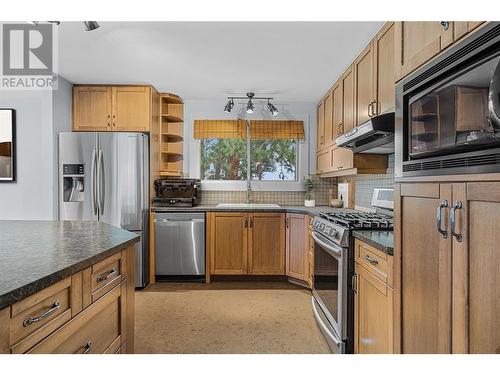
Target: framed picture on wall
x=7 y=145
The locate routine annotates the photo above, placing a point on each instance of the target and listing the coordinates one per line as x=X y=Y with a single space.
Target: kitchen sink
x=247 y=205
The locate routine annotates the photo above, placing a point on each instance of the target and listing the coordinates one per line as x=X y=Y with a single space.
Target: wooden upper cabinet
x=461 y=28
x=329 y=132
x=363 y=85
x=131 y=108
x=297 y=261
x=91 y=108
x=321 y=126
x=337 y=110
x=266 y=244
x=112 y=108
x=383 y=53
x=228 y=243
x=348 y=109
x=418 y=42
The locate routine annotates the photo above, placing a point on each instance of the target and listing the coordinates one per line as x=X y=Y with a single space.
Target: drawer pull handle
x=87 y=348
x=372 y=261
x=32 y=319
x=105 y=275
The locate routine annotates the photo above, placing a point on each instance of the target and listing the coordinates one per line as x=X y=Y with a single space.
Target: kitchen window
x=276 y=153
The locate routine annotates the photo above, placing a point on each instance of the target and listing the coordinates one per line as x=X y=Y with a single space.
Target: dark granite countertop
x=37 y=254
x=380 y=239
x=311 y=211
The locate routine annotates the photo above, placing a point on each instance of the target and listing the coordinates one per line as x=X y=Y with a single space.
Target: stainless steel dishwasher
x=179 y=243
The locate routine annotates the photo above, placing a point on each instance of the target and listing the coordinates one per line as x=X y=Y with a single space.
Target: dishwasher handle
x=179 y=220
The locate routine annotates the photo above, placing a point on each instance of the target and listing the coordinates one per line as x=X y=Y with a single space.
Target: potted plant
x=309 y=196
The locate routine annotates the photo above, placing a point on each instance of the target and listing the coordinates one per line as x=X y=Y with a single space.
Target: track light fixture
x=229 y=106
x=90 y=25
x=250 y=106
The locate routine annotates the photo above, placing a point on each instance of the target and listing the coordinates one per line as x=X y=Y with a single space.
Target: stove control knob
x=333 y=232
x=321 y=226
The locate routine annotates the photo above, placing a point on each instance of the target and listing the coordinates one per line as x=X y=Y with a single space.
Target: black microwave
x=448 y=111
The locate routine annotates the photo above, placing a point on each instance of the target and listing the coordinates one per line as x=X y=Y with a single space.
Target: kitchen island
x=66 y=287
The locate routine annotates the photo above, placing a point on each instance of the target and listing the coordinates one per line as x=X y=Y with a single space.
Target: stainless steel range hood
x=375 y=136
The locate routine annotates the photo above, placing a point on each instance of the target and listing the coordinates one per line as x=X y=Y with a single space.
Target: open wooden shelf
x=172 y=135
x=171 y=98
x=169 y=137
x=172 y=118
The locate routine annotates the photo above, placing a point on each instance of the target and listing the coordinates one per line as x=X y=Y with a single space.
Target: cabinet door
x=363 y=81
x=384 y=69
x=461 y=28
x=131 y=108
x=329 y=132
x=348 y=100
x=266 y=244
x=418 y=42
x=342 y=158
x=321 y=127
x=91 y=108
x=337 y=115
x=227 y=243
x=324 y=161
x=297 y=260
x=425 y=268
x=373 y=321
x=480 y=215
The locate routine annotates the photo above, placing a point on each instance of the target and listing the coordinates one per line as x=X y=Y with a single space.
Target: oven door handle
x=332 y=250
x=323 y=325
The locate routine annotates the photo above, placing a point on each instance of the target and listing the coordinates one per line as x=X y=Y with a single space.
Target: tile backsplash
x=364 y=184
x=284 y=198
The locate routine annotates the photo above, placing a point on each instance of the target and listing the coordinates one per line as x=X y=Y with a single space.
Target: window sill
x=209 y=185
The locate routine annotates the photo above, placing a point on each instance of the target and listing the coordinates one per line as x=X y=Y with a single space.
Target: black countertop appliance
x=177 y=192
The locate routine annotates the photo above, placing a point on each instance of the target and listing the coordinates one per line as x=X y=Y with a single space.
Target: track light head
x=249 y=107
x=229 y=106
x=274 y=111
x=90 y=25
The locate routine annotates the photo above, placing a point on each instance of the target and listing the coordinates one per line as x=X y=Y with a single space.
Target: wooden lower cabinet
x=71 y=325
x=297 y=260
x=373 y=322
x=448 y=284
x=266 y=244
x=241 y=243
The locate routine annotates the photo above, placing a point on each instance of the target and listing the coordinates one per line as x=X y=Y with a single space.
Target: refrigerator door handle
x=102 y=182
x=94 y=182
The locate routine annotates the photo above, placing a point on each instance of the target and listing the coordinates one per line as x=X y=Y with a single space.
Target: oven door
x=330 y=282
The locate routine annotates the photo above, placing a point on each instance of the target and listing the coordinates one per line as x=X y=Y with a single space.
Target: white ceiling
x=292 y=61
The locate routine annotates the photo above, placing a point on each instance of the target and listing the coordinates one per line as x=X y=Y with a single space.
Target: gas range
x=336 y=225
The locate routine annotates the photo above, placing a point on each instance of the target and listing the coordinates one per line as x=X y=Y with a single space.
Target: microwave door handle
x=332 y=250
x=93 y=176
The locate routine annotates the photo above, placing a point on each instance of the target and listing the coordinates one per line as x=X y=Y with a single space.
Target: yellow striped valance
x=259 y=129
x=277 y=129
x=219 y=129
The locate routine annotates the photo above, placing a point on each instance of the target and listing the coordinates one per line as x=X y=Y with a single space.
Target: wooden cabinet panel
x=426 y=275
x=324 y=161
x=348 y=100
x=228 y=243
x=480 y=214
x=373 y=322
x=418 y=42
x=384 y=70
x=91 y=108
x=321 y=127
x=337 y=111
x=92 y=331
x=342 y=158
x=461 y=28
x=131 y=108
x=297 y=262
x=266 y=244
x=377 y=262
x=363 y=85
x=328 y=120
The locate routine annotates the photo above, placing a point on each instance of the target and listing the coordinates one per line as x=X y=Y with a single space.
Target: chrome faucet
x=249 y=191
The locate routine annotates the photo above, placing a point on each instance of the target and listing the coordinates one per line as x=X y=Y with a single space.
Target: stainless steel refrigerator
x=105 y=176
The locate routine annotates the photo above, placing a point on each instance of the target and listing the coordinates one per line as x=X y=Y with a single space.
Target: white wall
x=210 y=109
x=39 y=116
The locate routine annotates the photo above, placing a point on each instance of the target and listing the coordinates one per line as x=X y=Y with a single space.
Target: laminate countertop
x=379 y=239
x=37 y=254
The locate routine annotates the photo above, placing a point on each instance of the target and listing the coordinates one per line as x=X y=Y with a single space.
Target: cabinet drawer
x=375 y=261
x=37 y=316
x=98 y=329
x=105 y=275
